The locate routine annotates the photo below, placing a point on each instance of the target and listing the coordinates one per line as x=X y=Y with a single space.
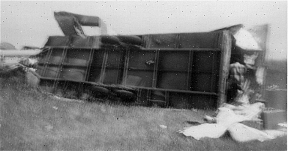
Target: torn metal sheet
x=71 y=24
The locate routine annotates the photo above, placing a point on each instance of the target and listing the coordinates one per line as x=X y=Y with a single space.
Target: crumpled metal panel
x=161 y=41
x=71 y=24
x=199 y=40
x=74 y=42
x=57 y=41
x=182 y=40
x=88 y=42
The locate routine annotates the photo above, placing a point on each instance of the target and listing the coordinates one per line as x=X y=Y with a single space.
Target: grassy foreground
x=32 y=120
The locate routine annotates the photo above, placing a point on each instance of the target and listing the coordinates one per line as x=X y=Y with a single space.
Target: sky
x=25 y=23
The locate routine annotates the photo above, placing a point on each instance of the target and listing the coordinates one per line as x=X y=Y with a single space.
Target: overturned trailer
x=179 y=70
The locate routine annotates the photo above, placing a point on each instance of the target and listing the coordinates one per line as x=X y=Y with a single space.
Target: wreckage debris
x=182 y=70
x=229 y=119
x=168 y=70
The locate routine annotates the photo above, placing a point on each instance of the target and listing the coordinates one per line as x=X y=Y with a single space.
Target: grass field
x=33 y=120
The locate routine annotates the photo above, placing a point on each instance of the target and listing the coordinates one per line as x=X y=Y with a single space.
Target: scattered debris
x=273 y=87
x=246 y=77
x=163 y=126
x=48 y=127
x=229 y=119
x=54 y=107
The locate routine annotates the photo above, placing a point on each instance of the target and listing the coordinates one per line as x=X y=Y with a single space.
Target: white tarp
x=243 y=133
x=228 y=119
x=205 y=130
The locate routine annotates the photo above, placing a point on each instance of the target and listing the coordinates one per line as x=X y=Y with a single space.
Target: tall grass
x=33 y=120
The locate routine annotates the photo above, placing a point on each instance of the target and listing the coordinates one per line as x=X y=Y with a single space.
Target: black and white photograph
x=143 y=75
